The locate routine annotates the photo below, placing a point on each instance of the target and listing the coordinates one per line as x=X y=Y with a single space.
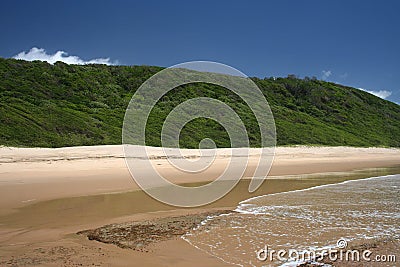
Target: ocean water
x=303 y=220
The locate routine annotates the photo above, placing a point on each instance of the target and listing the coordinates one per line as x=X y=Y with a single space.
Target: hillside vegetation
x=69 y=105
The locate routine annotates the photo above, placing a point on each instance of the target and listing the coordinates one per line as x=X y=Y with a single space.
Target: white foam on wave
x=242 y=207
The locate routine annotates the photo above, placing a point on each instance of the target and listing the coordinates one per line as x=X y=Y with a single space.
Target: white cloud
x=40 y=54
x=381 y=93
x=326 y=74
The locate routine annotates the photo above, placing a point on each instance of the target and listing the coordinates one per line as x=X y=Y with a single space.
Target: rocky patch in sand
x=139 y=235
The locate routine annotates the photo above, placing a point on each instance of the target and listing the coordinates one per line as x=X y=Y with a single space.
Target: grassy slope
x=67 y=105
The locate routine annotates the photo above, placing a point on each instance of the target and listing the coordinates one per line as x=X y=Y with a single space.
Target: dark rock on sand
x=138 y=235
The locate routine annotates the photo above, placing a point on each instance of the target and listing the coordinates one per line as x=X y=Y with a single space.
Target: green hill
x=68 y=105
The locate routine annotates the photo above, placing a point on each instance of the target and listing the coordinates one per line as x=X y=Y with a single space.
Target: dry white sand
x=30 y=175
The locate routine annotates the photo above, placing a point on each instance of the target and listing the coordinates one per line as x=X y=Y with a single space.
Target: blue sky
x=350 y=42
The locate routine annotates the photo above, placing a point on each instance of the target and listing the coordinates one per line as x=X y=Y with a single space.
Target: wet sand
x=47 y=196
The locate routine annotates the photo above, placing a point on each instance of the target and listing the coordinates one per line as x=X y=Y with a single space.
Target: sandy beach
x=49 y=195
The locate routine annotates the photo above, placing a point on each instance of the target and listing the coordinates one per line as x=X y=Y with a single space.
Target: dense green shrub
x=67 y=105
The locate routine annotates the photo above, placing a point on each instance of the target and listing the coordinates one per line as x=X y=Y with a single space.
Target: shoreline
x=144 y=235
x=45 y=243
x=44 y=204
